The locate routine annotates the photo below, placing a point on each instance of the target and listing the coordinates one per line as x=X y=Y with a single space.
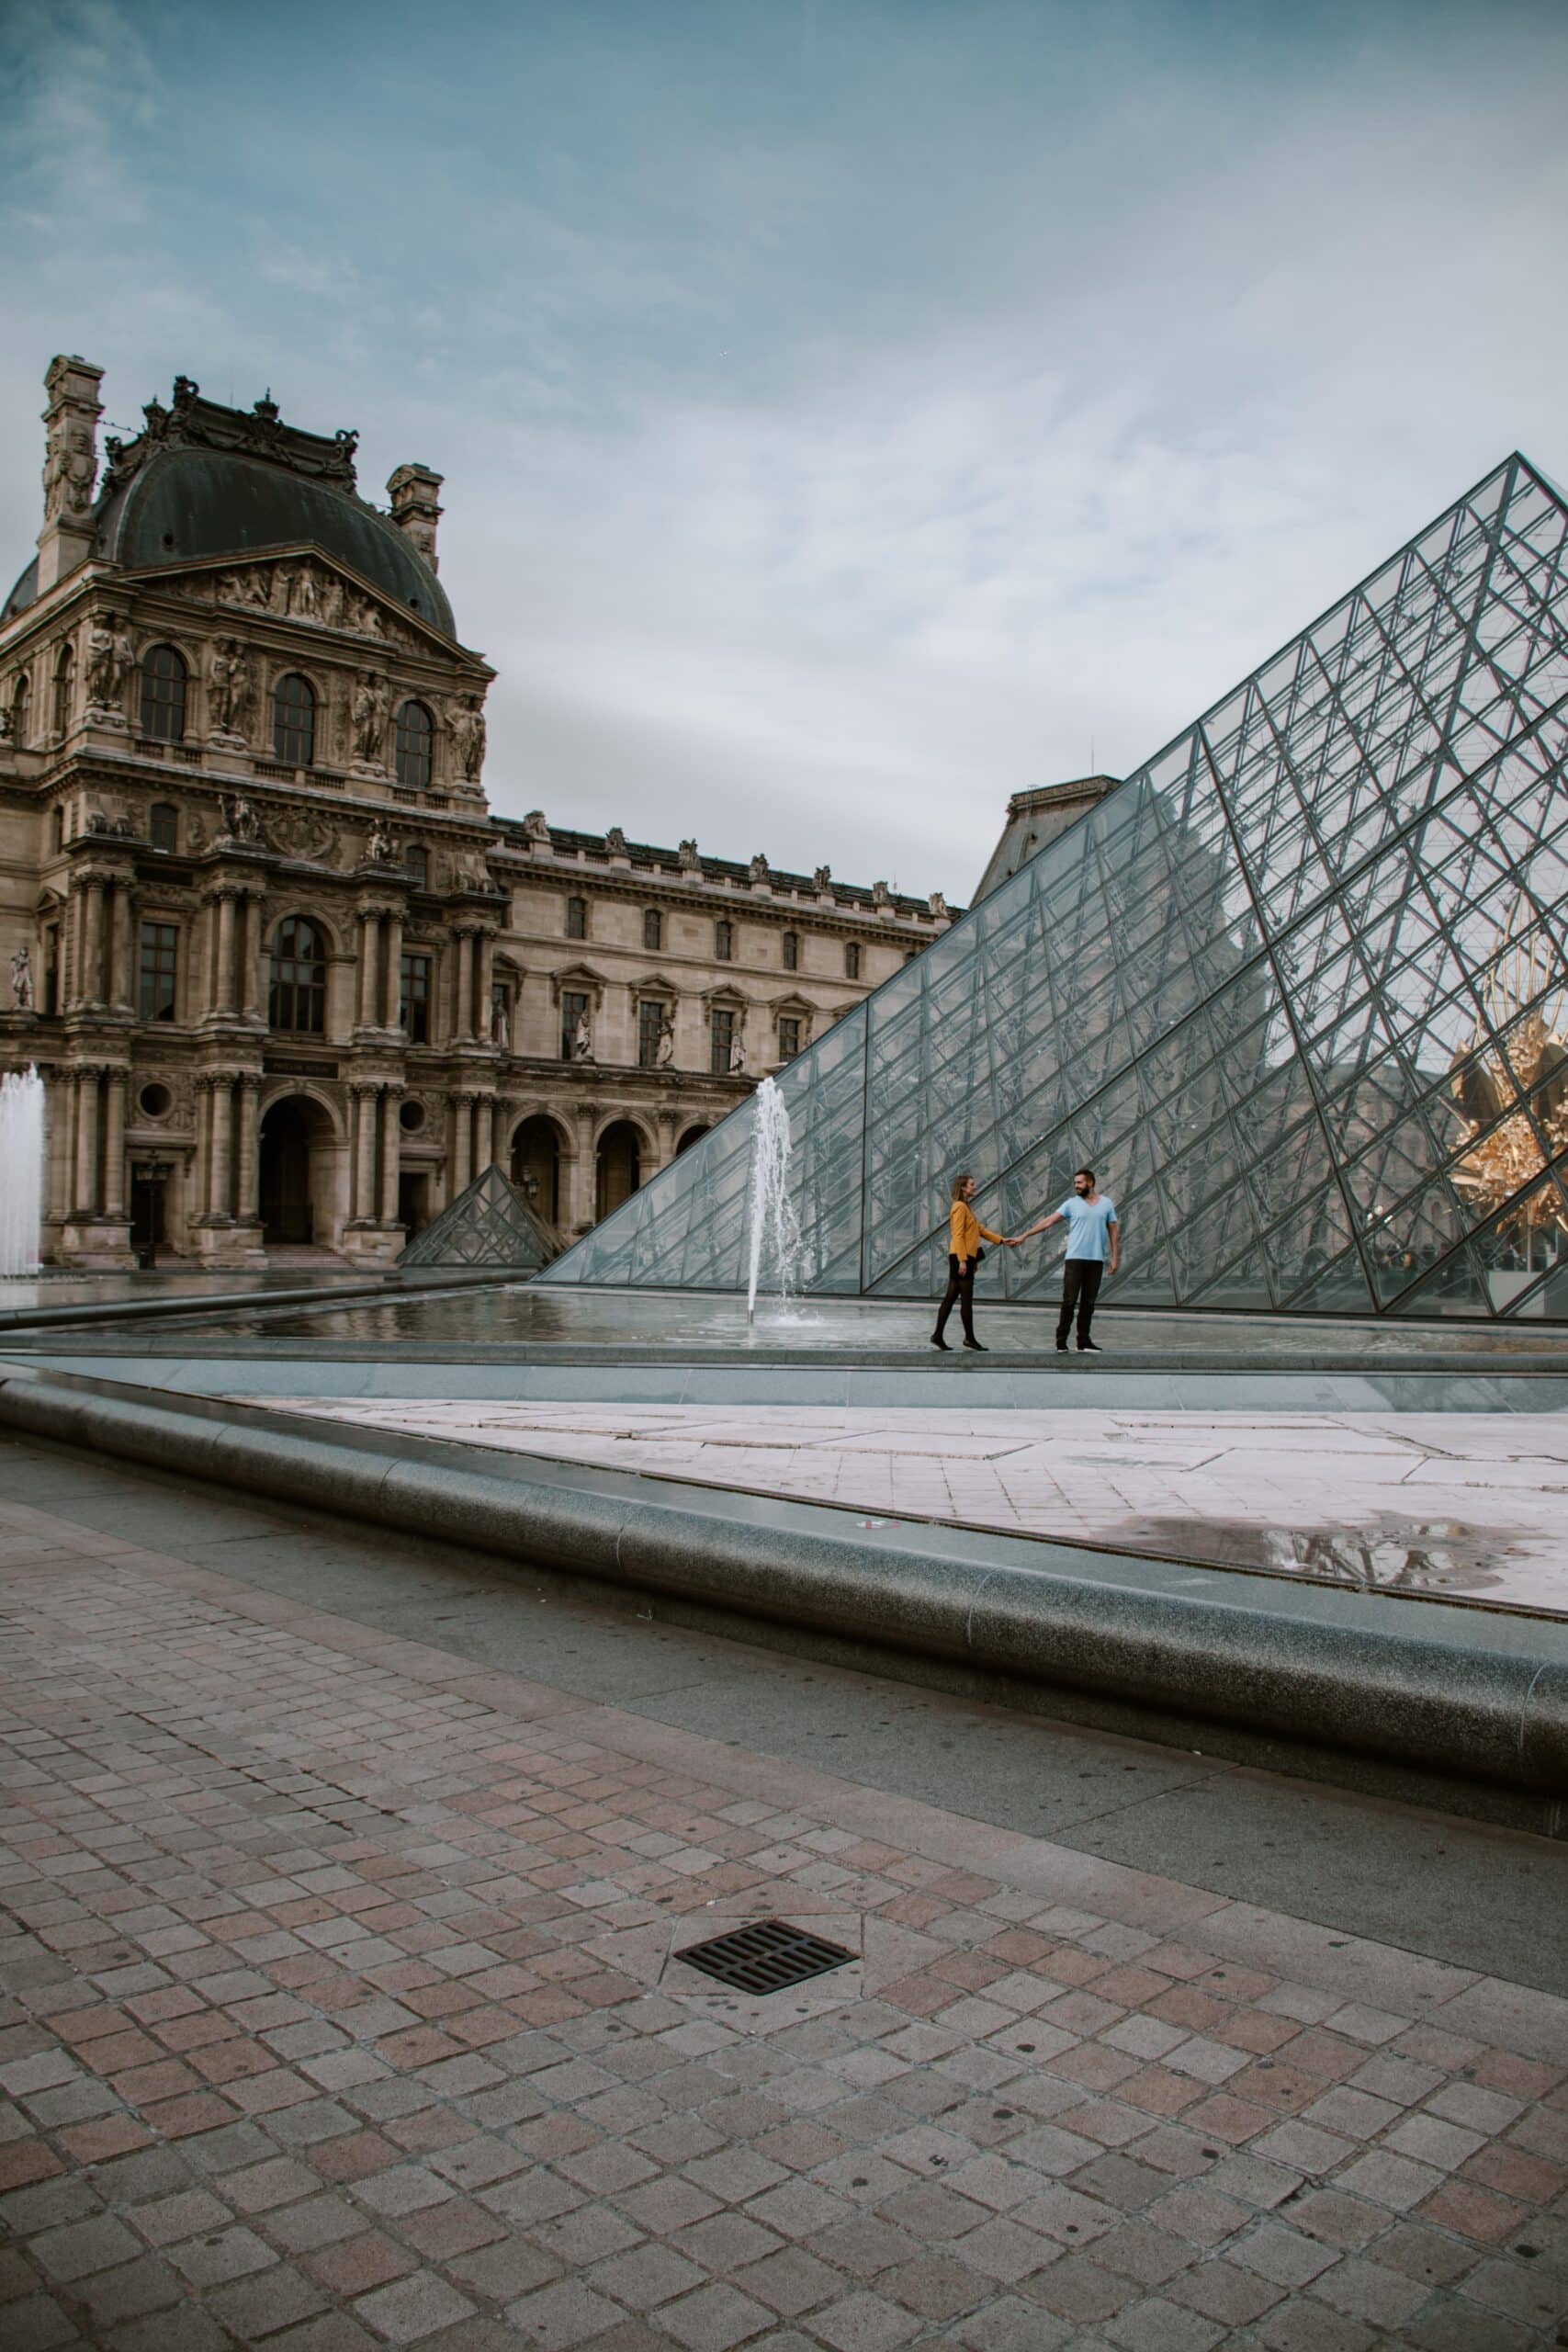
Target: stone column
x=86 y=1143
x=392 y=1149
x=465 y=1023
x=462 y=1142
x=369 y=943
x=114 y=1145
x=223 y=979
x=221 y=1201
x=585 y=1167
x=251 y=995
x=91 y=990
x=482 y=983
x=393 y=938
x=484 y=1133
x=248 y=1187
x=365 y=1098
x=122 y=958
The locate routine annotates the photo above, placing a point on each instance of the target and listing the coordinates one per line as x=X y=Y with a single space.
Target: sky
x=851 y=413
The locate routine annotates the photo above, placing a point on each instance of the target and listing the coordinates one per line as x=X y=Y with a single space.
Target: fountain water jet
x=21 y=1170
x=773 y=1222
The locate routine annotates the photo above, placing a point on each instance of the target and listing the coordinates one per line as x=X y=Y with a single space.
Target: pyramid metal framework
x=1295 y=990
x=489 y=1224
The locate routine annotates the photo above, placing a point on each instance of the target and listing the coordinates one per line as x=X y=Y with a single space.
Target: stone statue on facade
x=690 y=861
x=501 y=1020
x=937 y=904
x=70 y=468
x=881 y=896
x=469 y=735
x=537 y=829
x=301 y=597
x=383 y=848
x=738 y=1053
x=615 y=841
x=372 y=700
x=109 y=660
x=228 y=690
x=823 y=877
x=665 y=1051
x=757 y=870
x=582 y=1040
x=241 y=820
x=22 y=980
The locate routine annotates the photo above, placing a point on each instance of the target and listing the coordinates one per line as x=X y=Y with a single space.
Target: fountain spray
x=773 y=1221
x=21 y=1169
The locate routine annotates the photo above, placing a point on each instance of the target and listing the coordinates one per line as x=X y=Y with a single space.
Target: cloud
x=849 y=415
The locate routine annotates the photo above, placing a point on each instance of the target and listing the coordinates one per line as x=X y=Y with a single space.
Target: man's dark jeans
x=1080 y=1288
x=960 y=1286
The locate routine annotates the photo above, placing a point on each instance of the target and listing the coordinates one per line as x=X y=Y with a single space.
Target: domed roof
x=204 y=480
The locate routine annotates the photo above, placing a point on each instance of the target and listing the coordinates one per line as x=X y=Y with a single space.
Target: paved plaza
x=1452 y=1504
x=343 y=2003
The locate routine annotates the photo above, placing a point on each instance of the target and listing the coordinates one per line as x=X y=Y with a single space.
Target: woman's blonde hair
x=958 y=1185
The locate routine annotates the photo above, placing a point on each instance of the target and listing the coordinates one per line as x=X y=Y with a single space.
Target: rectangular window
x=160 y=947
x=649 y=1028
x=577 y=918
x=852 y=961
x=792 y=951
x=652 y=928
x=789 y=1038
x=573 y=1009
x=721 y=1029
x=724 y=940
x=414 y=1014
x=57 y=826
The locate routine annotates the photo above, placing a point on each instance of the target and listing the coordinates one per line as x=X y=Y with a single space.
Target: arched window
x=163 y=825
x=298 y=993
x=163 y=677
x=416 y=857
x=294 y=720
x=416 y=732
x=64 y=690
x=652 y=928
x=22 y=710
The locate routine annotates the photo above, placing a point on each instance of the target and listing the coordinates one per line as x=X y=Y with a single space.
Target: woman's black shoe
x=938 y=1341
x=979 y=1350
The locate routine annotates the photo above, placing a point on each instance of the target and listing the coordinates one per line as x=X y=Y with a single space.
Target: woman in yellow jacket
x=966 y=1233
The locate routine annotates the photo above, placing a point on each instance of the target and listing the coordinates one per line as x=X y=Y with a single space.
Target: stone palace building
x=289 y=979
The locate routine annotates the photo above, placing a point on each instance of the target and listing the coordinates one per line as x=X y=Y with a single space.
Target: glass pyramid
x=488 y=1225
x=1296 y=991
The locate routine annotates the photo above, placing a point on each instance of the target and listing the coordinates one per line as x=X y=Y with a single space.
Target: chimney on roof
x=69 y=467
x=416 y=510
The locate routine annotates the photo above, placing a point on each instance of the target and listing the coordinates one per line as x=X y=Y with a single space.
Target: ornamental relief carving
x=180 y=1111
x=303 y=590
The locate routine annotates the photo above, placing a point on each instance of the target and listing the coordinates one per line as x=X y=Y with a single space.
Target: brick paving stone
x=355 y=1975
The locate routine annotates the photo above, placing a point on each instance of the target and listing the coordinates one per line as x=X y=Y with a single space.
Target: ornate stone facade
x=290 y=979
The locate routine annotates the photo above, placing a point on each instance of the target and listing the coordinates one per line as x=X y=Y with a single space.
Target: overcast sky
x=850 y=414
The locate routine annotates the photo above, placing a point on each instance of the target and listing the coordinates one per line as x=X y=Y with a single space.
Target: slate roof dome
x=205 y=481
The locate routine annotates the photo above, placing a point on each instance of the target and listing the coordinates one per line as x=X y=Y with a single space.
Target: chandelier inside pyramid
x=1295 y=990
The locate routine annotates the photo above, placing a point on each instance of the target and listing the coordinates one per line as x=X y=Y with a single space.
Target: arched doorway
x=536 y=1166
x=286 y=1212
x=619 y=1171
x=692 y=1136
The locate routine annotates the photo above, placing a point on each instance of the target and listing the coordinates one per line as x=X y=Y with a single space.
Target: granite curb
x=1342 y=1677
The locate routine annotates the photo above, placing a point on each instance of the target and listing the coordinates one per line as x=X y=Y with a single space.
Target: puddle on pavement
x=1388 y=1555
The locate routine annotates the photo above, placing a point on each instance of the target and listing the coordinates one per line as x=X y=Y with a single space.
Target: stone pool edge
x=1345 y=1678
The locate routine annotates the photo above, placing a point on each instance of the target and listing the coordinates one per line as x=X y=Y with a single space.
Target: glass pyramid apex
x=489 y=1224
x=1297 y=988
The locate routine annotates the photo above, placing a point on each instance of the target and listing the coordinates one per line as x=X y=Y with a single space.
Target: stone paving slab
x=1467 y=1505
x=341 y=2007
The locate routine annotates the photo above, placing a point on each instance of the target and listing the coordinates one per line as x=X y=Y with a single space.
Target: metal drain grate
x=767 y=1956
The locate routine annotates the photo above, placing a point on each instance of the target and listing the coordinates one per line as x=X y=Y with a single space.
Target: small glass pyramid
x=1295 y=990
x=489 y=1224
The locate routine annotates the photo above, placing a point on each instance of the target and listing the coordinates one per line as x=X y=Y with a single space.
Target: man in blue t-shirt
x=1094 y=1238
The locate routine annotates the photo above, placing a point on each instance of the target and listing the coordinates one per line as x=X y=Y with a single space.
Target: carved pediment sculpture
x=304 y=833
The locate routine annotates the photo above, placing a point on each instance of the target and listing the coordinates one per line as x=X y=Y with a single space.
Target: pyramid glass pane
x=1297 y=988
